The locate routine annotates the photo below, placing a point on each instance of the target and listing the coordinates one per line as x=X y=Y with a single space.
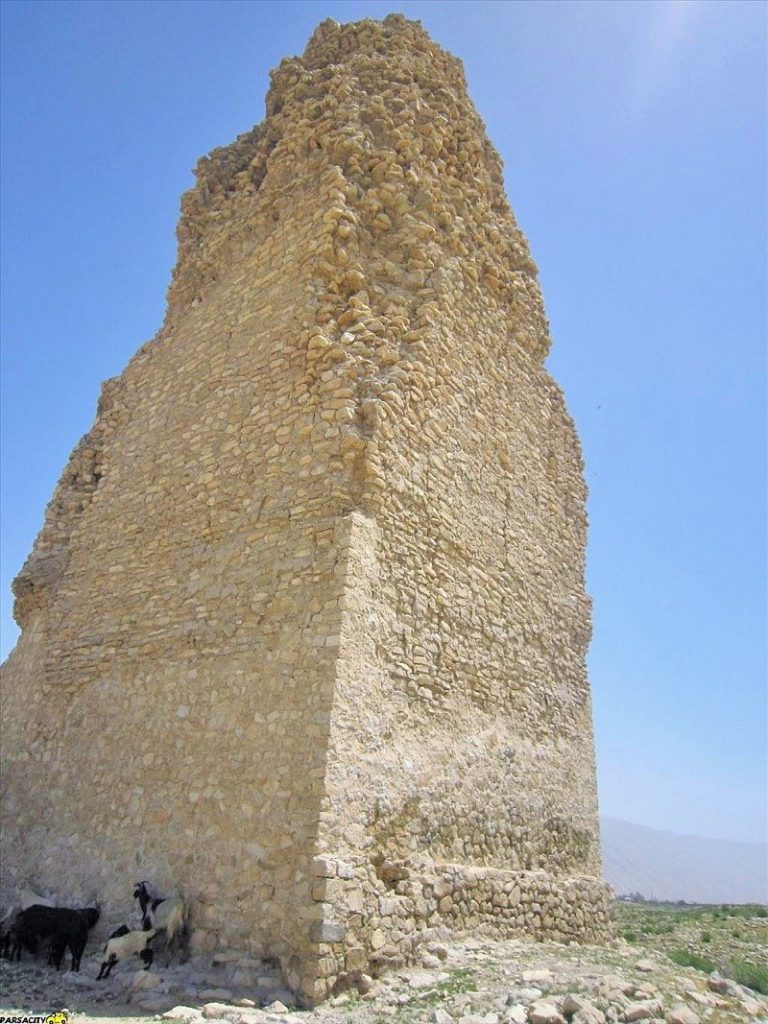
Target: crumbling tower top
x=384 y=111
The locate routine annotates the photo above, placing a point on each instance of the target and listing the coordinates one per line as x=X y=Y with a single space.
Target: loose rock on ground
x=477 y=982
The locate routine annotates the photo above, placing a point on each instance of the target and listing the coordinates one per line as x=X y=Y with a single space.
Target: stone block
x=327 y=931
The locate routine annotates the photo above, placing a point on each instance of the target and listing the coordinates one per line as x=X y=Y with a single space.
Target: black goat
x=61 y=926
x=11 y=943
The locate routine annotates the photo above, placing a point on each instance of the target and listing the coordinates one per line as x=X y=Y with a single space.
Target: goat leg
x=109 y=964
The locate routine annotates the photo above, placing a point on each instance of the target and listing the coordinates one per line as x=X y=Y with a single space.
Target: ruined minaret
x=304 y=631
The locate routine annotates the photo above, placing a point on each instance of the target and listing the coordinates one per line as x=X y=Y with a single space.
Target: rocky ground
x=732 y=940
x=474 y=981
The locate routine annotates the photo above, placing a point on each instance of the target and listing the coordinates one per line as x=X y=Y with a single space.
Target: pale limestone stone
x=754 y=1007
x=324 y=867
x=681 y=1015
x=647 y=966
x=543 y=1012
x=425 y=979
x=700 y=998
x=142 y=980
x=589 y=1014
x=182 y=1013
x=529 y=994
x=618 y=984
x=538 y=977
x=355 y=959
x=582 y=1010
x=641 y=1011
x=364 y=984
x=216 y=1010
x=323 y=549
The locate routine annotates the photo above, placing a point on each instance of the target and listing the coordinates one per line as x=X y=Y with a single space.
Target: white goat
x=164 y=914
x=120 y=946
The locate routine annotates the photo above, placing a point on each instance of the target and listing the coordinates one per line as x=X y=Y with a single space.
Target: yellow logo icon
x=57 y=1018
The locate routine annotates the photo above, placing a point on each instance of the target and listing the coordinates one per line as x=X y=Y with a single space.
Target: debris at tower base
x=385 y=915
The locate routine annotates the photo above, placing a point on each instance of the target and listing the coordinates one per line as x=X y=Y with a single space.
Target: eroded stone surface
x=319 y=562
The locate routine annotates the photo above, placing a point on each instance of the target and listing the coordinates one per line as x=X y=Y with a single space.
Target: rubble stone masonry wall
x=304 y=631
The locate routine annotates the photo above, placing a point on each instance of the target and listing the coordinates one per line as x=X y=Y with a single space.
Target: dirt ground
x=468 y=981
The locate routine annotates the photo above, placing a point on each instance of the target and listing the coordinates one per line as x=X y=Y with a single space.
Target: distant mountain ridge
x=668 y=866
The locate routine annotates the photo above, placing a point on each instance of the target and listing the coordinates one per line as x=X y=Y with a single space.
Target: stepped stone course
x=304 y=631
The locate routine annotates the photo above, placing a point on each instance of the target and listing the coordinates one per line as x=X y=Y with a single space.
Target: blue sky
x=633 y=137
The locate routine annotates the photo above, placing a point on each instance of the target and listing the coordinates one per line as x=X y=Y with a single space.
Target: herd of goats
x=36 y=922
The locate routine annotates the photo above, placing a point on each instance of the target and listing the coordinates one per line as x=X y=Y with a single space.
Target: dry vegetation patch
x=732 y=940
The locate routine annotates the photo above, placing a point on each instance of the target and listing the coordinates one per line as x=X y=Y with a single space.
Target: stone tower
x=304 y=631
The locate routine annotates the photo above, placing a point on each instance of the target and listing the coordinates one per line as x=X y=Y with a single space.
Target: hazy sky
x=633 y=137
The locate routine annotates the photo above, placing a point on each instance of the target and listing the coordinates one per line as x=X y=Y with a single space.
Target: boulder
x=543 y=1012
x=681 y=1015
x=642 y=1011
x=182 y=1013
